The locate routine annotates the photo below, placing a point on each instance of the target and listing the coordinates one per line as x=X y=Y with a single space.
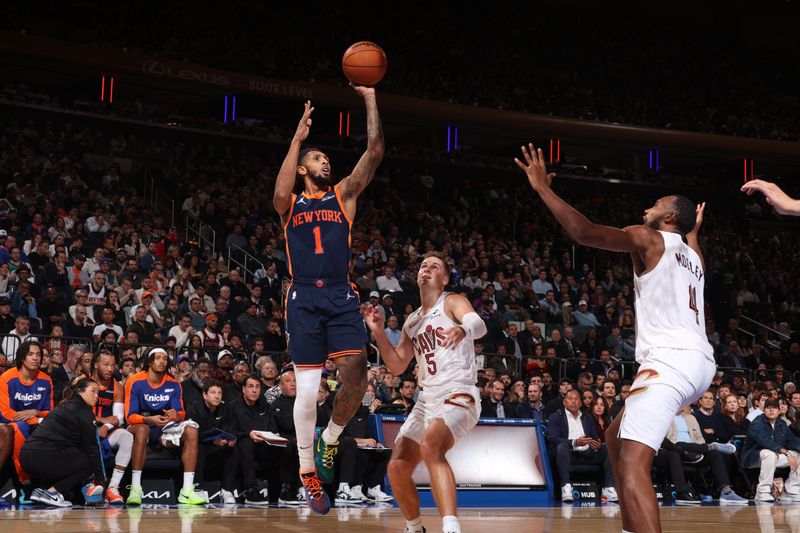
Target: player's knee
x=400 y=467
x=189 y=435
x=139 y=431
x=431 y=452
x=125 y=439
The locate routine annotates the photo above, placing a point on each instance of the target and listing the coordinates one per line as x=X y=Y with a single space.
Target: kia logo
x=151 y=67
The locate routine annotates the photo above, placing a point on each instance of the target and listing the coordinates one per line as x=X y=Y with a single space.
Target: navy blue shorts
x=323 y=322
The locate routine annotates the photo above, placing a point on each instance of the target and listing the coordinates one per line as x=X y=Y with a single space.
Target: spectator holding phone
x=573 y=439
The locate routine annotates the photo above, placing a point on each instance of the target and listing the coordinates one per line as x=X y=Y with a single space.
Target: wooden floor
x=706 y=519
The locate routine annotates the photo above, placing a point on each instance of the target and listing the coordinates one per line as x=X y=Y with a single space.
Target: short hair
x=441 y=257
x=304 y=152
x=211 y=382
x=685 y=214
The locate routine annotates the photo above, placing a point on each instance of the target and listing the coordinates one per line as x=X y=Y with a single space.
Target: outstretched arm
x=691 y=237
x=585 y=232
x=364 y=170
x=396 y=359
x=282 y=200
x=783 y=204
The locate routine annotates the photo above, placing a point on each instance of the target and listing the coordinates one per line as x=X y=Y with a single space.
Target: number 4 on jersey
x=693 y=303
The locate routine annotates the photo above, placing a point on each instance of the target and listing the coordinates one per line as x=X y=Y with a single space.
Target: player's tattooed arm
x=366 y=167
x=638 y=239
x=282 y=199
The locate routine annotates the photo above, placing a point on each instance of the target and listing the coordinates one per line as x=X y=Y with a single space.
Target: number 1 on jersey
x=693 y=303
x=318 y=249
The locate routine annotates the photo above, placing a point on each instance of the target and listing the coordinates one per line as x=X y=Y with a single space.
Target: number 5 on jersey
x=693 y=303
x=431 y=363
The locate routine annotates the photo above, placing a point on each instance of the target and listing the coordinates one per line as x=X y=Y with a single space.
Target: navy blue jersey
x=318 y=237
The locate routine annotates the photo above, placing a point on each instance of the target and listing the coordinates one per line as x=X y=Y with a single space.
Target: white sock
x=344 y=486
x=136 y=477
x=332 y=432
x=188 y=480
x=305 y=415
x=450 y=524
x=626 y=531
x=414 y=526
x=116 y=477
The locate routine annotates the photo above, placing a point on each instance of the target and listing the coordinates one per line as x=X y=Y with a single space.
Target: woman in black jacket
x=63 y=452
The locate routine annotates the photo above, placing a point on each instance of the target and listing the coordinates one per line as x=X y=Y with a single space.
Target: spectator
x=393 y=331
x=685 y=436
x=387 y=282
x=557 y=402
x=532 y=406
x=251 y=414
x=192 y=388
x=495 y=406
x=210 y=414
x=599 y=413
x=573 y=439
x=15 y=338
x=584 y=317
x=63 y=375
x=408 y=390
x=733 y=420
x=182 y=332
x=281 y=422
x=251 y=323
x=770 y=445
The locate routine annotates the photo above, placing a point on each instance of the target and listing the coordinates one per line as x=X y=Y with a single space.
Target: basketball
x=364 y=63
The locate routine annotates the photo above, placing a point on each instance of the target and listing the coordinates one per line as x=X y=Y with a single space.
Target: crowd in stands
x=714 y=79
x=96 y=289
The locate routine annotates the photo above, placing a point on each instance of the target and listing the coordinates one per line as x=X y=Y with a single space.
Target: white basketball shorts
x=459 y=409
x=668 y=380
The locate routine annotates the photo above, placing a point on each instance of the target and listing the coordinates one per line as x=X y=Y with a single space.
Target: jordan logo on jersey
x=428 y=340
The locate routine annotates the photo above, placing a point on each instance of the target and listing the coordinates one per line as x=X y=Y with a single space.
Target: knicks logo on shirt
x=321 y=215
x=428 y=340
x=27 y=397
x=156 y=398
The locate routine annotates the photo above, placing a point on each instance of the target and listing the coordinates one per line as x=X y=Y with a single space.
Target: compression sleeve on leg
x=305 y=414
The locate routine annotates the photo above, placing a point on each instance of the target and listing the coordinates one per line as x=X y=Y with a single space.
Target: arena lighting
x=657 y=154
x=448 y=139
x=225 y=112
x=752 y=169
x=344 y=122
x=455 y=138
x=103 y=88
x=111 y=91
x=557 y=144
x=233 y=111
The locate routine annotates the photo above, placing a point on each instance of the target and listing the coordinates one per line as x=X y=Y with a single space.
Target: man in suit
x=530 y=337
x=573 y=439
x=494 y=406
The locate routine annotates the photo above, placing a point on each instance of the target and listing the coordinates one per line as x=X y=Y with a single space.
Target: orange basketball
x=364 y=63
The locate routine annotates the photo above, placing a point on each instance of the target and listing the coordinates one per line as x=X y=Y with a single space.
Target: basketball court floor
x=215 y=518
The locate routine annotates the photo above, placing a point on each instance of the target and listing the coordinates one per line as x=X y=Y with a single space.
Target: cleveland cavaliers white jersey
x=669 y=302
x=439 y=367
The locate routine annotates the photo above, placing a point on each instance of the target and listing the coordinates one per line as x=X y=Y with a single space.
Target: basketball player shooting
x=440 y=335
x=322 y=309
x=676 y=361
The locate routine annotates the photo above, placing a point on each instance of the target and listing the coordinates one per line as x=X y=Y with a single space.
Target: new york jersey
x=141 y=399
x=669 y=301
x=318 y=237
x=439 y=367
x=105 y=400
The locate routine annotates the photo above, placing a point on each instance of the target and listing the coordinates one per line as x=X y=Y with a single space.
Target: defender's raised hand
x=363 y=90
x=535 y=168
